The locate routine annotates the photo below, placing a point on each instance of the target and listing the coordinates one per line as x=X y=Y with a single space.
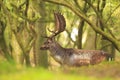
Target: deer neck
x=57 y=52
x=57 y=49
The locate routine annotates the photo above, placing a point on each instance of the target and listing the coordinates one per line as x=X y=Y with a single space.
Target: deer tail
x=108 y=56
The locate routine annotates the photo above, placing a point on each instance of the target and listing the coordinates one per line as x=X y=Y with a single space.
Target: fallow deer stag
x=70 y=56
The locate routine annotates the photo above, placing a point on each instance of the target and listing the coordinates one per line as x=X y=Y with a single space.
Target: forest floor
x=102 y=71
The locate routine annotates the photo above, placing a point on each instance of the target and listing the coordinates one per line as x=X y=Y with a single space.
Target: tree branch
x=99 y=14
x=102 y=5
x=106 y=35
x=69 y=35
x=77 y=4
x=112 y=12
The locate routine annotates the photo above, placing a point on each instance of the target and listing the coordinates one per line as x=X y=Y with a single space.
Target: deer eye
x=48 y=42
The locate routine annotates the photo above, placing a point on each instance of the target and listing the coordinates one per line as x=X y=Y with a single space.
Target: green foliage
x=6 y=67
x=103 y=71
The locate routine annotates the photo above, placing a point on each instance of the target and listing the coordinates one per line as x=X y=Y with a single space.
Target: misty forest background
x=90 y=25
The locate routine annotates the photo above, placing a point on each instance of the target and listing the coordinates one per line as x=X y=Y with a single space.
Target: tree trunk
x=40 y=56
x=80 y=32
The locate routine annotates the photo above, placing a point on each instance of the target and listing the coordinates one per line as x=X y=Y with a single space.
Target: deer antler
x=60 y=24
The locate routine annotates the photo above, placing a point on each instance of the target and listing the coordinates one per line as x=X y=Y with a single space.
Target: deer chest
x=58 y=58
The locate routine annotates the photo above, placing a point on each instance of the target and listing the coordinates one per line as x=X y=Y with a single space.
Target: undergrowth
x=103 y=71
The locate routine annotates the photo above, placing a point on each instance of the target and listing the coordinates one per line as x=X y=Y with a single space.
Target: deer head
x=60 y=25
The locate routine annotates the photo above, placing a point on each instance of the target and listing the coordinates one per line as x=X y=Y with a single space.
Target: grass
x=103 y=71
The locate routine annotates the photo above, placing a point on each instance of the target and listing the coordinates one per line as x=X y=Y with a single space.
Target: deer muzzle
x=44 y=47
